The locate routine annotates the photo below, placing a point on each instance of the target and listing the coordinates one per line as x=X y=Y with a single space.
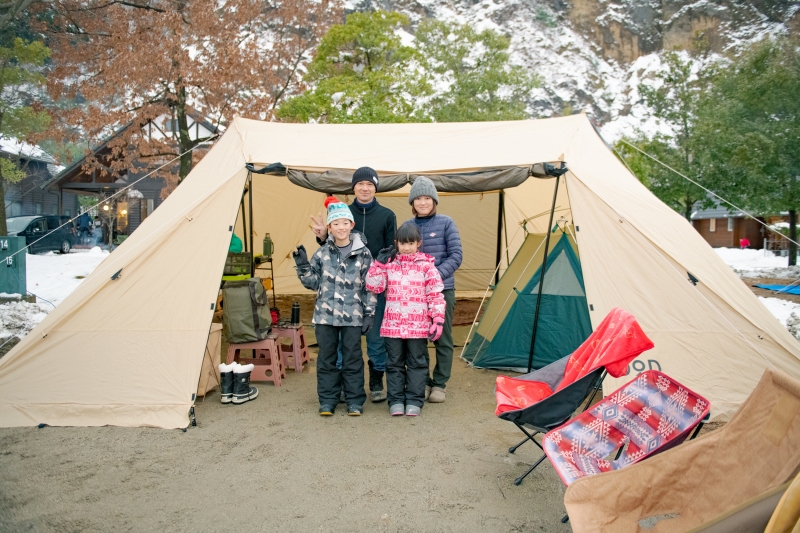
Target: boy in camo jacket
x=344 y=306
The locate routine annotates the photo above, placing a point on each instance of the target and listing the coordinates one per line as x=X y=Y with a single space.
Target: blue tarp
x=792 y=289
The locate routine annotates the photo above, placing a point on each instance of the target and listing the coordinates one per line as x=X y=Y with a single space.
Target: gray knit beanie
x=423 y=187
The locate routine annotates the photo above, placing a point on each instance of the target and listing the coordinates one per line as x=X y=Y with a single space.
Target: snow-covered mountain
x=592 y=54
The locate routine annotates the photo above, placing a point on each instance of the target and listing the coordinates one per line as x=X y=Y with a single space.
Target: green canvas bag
x=245 y=313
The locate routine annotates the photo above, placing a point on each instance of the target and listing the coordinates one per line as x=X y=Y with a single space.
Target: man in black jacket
x=378 y=224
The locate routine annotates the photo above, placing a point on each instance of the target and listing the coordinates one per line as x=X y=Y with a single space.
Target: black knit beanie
x=365 y=174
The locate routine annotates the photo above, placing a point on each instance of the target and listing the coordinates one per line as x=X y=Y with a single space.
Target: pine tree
x=363 y=71
x=673 y=100
x=750 y=129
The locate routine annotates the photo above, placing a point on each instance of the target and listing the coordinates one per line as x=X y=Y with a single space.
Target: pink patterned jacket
x=413 y=295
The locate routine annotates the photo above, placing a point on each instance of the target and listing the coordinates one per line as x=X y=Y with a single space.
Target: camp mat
x=786 y=289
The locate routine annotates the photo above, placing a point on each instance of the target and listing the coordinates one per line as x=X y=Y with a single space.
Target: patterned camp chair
x=543 y=400
x=698 y=485
x=650 y=414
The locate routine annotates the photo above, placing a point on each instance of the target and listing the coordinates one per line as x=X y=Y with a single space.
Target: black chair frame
x=554 y=410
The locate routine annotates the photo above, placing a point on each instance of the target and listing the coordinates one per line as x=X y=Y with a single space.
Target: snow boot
x=376 y=391
x=226 y=383
x=242 y=391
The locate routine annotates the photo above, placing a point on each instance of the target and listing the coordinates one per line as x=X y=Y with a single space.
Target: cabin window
x=730 y=223
x=38 y=208
x=712 y=224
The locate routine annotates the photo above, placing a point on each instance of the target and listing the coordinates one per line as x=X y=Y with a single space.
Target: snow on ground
x=782 y=309
x=51 y=277
x=758 y=264
x=788 y=313
x=18 y=318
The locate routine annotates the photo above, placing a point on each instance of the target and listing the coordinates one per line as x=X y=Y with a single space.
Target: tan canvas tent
x=126 y=347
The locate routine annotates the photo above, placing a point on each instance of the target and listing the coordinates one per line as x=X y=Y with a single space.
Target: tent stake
x=541 y=278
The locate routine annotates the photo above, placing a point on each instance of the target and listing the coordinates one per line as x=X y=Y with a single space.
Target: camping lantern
x=269 y=246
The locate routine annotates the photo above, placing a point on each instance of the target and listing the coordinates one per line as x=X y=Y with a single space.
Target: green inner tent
x=503 y=337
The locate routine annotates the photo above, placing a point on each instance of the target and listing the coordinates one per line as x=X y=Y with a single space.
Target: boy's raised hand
x=300 y=256
x=318 y=226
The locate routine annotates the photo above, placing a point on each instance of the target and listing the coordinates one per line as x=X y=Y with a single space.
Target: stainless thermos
x=296 y=314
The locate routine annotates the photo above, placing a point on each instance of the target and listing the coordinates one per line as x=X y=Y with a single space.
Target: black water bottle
x=296 y=314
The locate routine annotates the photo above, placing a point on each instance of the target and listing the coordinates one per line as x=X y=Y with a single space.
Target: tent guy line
x=709 y=191
x=210 y=140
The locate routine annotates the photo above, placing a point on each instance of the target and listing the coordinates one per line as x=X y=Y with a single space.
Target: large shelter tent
x=127 y=346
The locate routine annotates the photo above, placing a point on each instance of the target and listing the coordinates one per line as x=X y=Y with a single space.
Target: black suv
x=44 y=233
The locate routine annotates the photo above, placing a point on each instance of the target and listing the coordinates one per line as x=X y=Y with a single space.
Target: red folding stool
x=297 y=350
x=266 y=358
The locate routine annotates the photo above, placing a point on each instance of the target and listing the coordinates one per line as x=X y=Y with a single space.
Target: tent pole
x=499 y=239
x=250 y=208
x=244 y=221
x=505 y=234
x=541 y=278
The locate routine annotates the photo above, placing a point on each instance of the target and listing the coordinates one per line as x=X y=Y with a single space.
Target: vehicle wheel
x=65 y=246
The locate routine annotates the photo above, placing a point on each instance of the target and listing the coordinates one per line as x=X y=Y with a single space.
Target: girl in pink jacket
x=414 y=314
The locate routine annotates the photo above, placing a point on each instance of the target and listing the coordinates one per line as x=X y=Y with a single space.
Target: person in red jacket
x=414 y=313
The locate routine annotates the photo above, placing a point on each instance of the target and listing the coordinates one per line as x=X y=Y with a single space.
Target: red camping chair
x=650 y=414
x=545 y=399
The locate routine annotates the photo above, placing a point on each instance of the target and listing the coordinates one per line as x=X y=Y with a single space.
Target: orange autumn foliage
x=126 y=63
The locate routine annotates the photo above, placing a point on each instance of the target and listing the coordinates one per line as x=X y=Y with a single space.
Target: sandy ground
x=274 y=464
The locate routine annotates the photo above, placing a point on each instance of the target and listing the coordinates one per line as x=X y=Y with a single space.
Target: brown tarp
x=759 y=449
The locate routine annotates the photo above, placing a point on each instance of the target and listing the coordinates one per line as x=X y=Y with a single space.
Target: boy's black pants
x=406 y=370
x=331 y=380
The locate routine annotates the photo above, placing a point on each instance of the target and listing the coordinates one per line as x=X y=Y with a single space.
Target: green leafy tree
x=750 y=125
x=673 y=99
x=361 y=73
x=474 y=66
x=20 y=77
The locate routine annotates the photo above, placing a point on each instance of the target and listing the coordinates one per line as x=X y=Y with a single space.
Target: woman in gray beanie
x=440 y=239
